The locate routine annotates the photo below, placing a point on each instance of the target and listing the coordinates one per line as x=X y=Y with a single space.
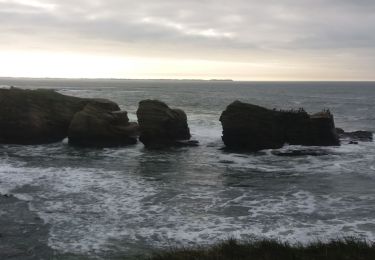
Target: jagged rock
x=252 y=128
x=98 y=127
x=40 y=116
x=354 y=137
x=160 y=125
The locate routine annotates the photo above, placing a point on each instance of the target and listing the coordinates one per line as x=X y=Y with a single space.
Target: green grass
x=344 y=249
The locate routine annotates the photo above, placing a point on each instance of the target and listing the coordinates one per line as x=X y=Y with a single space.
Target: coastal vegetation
x=231 y=249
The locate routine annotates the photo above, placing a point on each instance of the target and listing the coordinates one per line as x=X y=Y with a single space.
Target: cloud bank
x=324 y=37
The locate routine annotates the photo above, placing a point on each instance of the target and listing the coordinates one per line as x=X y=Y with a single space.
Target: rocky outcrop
x=160 y=125
x=40 y=116
x=252 y=128
x=363 y=136
x=98 y=127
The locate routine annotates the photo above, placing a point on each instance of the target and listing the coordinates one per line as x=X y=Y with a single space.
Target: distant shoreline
x=186 y=80
x=115 y=79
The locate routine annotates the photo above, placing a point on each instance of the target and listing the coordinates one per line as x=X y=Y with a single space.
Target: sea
x=127 y=201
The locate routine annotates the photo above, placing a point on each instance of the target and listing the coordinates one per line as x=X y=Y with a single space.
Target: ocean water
x=105 y=203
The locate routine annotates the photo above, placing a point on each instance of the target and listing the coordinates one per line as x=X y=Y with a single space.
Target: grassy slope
x=350 y=249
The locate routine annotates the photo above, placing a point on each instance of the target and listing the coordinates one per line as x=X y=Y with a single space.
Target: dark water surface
x=109 y=202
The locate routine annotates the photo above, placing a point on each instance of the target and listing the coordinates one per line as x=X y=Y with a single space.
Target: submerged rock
x=96 y=126
x=304 y=152
x=40 y=116
x=252 y=128
x=187 y=143
x=354 y=137
x=162 y=126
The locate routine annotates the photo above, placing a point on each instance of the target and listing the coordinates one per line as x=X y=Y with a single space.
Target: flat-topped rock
x=40 y=116
x=160 y=125
x=253 y=128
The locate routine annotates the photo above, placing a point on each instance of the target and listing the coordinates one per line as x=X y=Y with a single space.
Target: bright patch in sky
x=238 y=39
x=32 y=3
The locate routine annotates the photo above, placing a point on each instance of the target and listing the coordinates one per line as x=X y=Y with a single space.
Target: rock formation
x=40 y=116
x=99 y=127
x=162 y=126
x=363 y=136
x=252 y=128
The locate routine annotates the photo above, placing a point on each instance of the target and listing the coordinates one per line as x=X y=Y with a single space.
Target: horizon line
x=181 y=79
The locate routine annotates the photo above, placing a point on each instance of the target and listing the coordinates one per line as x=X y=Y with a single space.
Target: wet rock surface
x=253 y=128
x=303 y=152
x=98 y=127
x=162 y=126
x=40 y=116
x=354 y=137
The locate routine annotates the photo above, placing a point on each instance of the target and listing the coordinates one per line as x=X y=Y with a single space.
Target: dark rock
x=363 y=136
x=160 y=125
x=226 y=162
x=339 y=131
x=98 y=127
x=40 y=116
x=296 y=153
x=353 y=142
x=187 y=143
x=252 y=128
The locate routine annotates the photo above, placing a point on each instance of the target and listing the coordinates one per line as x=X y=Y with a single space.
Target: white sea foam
x=89 y=209
x=94 y=203
x=122 y=198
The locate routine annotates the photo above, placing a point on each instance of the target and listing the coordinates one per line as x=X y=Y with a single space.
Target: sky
x=188 y=39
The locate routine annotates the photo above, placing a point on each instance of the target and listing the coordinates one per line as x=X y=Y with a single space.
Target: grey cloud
x=244 y=25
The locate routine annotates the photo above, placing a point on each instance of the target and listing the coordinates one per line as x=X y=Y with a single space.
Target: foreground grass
x=345 y=249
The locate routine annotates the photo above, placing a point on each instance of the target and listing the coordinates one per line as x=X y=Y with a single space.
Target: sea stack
x=252 y=128
x=161 y=126
x=98 y=127
x=40 y=116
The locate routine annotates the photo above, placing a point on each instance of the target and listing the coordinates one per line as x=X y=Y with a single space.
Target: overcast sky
x=238 y=39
